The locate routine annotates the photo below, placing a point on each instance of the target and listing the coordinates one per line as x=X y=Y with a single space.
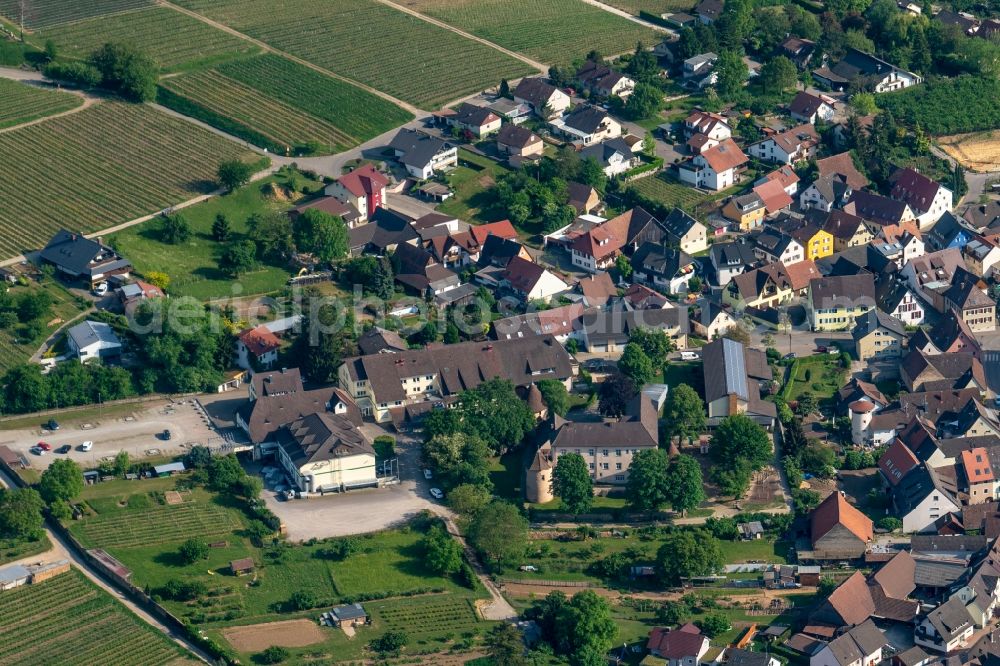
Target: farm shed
x=14 y=576
x=242 y=566
x=750 y=531
x=169 y=469
x=773 y=632
x=353 y=615
x=91 y=477
x=11 y=459
x=112 y=565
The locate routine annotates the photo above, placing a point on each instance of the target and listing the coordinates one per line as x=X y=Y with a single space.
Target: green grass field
x=283 y=105
x=15 y=549
x=472 y=182
x=371 y=43
x=104 y=165
x=194 y=271
x=69 y=620
x=820 y=375
x=17 y=347
x=174 y=40
x=552 y=32
x=23 y=103
x=45 y=13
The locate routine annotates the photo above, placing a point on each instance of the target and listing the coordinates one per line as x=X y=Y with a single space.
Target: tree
x=467 y=499
x=198 y=457
x=63 y=480
x=157 y=279
x=826 y=587
x=504 y=88
x=238 y=258
x=645 y=101
x=20 y=513
x=683 y=413
x=302 y=600
x=505 y=645
x=636 y=365
x=442 y=554
x=739 y=447
x=647 y=487
x=623 y=266
x=739 y=333
x=51 y=50
x=75 y=73
x=591 y=173
x=732 y=73
x=174 y=229
x=714 y=624
x=554 y=395
x=233 y=174
x=584 y=626
x=224 y=472
x=320 y=233
x=127 y=71
x=121 y=463
x=863 y=103
x=221 y=228
x=778 y=74
x=687 y=489
x=686 y=553
x=272 y=655
x=614 y=395
x=890 y=523
x=493 y=411
x=192 y=550
x=572 y=483
x=499 y=532
x=391 y=642
x=654 y=342
x=24 y=389
x=272 y=232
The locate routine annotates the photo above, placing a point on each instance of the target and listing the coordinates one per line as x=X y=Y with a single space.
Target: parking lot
x=138 y=433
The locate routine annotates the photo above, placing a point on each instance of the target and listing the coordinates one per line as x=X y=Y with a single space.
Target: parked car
x=166 y=434
x=37 y=451
x=690 y=356
x=789 y=356
x=437 y=493
x=44 y=446
x=101 y=289
x=822 y=349
x=52 y=424
x=528 y=567
x=428 y=474
x=86 y=446
x=65 y=448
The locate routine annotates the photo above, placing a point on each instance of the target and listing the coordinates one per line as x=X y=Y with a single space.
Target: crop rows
x=554 y=31
x=66 y=620
x=275 y=120
x=23 y=103
x=428 y=615
x=157 y=525
x=45 y=13
x=371 y=43
x=173 y=39
x=99 y=167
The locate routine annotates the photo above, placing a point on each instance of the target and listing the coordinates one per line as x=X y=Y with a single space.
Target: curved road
x=62 y=551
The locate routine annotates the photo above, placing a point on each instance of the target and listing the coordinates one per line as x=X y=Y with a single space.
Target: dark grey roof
x=738 y=657
x=470 y=114
x=950 y=618
x=964 y=290
x=916 y=486
x=890 y=293
x=517 y=136
x=535 y=91
x=730 y=255
x=322 y=436
x=950 y=543
x=418 y=148
x=638 y=427
x=604 y=151
x=937 y=572
x=730 y=368
x=944 y=231
x=78 y=255
x=385 y=228
x=617 y=324
x=659 y=260
x=773 y=242
x=351 y=612
x=678 y=223
x=89 y=332
x=376 y=340
x=498 y=251
x=587 y=119
x=877 y=208
x=873 y=320
x=833 y=291
x=710 y=8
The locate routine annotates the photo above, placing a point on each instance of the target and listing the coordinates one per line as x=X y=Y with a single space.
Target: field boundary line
x=624 y=14
x=270 y=49
x=541 y=67
x=88 y=102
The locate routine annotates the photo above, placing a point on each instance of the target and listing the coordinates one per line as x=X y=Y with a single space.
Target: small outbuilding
x=751 y=531
x=169 y=469
x=242 y=566
x=352 y=614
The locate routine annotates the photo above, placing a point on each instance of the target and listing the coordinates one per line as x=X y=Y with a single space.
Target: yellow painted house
x=817 y=242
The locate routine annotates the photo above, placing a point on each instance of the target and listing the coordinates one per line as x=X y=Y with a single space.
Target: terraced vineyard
x=104 y=165
x=554 y=31
x=68 y=620
x=369 y=42
x=276 y=103
x=173 y=39
x=23 y=103
x=160 y=524
x=47 y=13
x=652 y=6
x=428 y=616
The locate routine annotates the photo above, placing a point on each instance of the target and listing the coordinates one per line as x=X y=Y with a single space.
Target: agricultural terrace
x=135 y=522
x=47 y=13
x=194 y=268
x=555 y=31
x=173 y=39
x=23 y=103
x=369 y=42
x=656 y=7
x=18 y=343
x=104 y=165
x=69 y=620
x=279 y=104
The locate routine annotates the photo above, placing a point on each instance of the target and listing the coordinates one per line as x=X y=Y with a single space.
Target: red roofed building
x=503 y=229
x=897 y=461
x=787 y=177
x=716 y=168
x=839 y=531
x=257 y=347
x=684 y=646
x=979 y=481
x=596 y=249
x=773 y=195
x=928 y=199
x=363 y=188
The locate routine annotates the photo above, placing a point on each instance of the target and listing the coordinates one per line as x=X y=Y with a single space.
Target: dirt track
x=290 y=633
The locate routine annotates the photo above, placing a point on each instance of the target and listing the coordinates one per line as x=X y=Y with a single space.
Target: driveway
x=136 y=433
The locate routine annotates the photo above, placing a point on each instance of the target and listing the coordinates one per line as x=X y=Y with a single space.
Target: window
x=591 y=466
x=618 y=453
x=590 y=452
x=619 y=477
x=604 y=465
x=604 y=453
x=618 y=465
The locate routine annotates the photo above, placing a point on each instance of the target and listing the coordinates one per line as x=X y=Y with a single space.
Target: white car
x=101 y=289
x=86 y=446
x=437 y=493
x=427 y=474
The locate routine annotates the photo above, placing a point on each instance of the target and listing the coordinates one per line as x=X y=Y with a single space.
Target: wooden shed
x=242 y=566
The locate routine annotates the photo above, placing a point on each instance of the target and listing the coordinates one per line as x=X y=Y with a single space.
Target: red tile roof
x=835 y=510
x=852 y=600
x=259 y=340
x=605 y=239
x=724 y=156
x=502 y=228
x=687 y=641
x=785 y=175
x=842 y=164
x=774 y=196
x=363 y=181
x=977 y=465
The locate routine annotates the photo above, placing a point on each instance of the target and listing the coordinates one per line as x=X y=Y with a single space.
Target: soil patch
x=977 y=151
x=289 y=633
x=173 y=497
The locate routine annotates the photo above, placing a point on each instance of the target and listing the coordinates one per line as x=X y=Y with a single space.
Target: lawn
x=23 y=103
x=371 y=43
x=174 y=40
x=15 y=549
x=507 y=474
x=69 y=620
x=820 y=375
x=281 y=105
x=18 y=343
x=472 y=182
x=44 y=13
x=102 y=166
x=553 y=32
x=193 y=266
x=684 y=372
x=765 y=550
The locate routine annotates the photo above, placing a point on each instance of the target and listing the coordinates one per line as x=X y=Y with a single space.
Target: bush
x=385 y=447
x=272 y=655
x=182 y=590
x=890 y=523
x=301 y=600
x=389 y=643
x=193 y=550
x=75 y=73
